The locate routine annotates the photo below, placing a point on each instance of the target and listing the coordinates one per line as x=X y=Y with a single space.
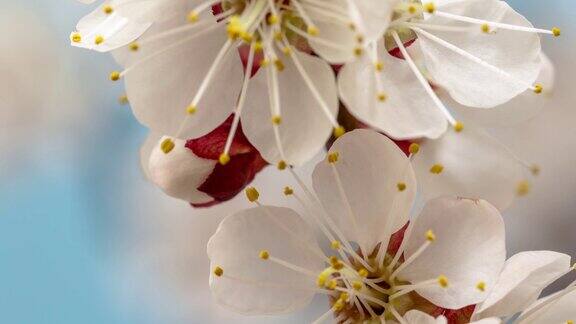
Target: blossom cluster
x=227 y=87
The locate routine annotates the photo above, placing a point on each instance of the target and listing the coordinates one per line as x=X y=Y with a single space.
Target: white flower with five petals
x=481 y=52
x=266 y=260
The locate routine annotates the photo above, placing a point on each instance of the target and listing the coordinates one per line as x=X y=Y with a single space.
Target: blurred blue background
x=71 y=189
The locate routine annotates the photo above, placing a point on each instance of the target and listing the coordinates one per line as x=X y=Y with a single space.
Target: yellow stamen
x=134 y=47
x=335 y=245
x=485 y=28
x=76 y=37
x=339 y=131
x=191 y=110
x=252 y=194
x=481 y=286
x=264 y=255
x=115 y=76
x=556 y=31
x=538 y=88
x=288 y=191
x=224 y=158
x=430 y=236
x=523 y=188
x=312 y=30
x=333 y=157
x=218 y=271
x=443 y=281
x=282 y=165
x=99 y=40
x=458 y=127
x=414 y=148
x=167 y=145
x=276 y=120
x=192 y=17
x=437 y=169
x=430 y=7
x=401 y=186
x=108 y=9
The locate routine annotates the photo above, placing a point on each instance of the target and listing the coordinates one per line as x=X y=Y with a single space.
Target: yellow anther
x=76 y=37
x=556 y=31
x=252 y=194
x=523 y=188
x=276 y=120
x=272 y=19
x=333 y=157
x=123 y=100
x=338 y=266
x=381 y=96
x=430 y=7
x=288 y=191
x=192 y=16
x=333 y=260
x=312 y=30
x=430 y=236
x=338 y=305
x=286 y=50
x=335 y=245
x=412 y=9
x=258 y=46
x=458 y=127
x=99 y=40
x=481 y=286
x=569 y=322
x=264 y=63
x=115 y=76
x=485 y=28
x=339 y=131
x=352 y=26
x=379 y=66
x=278 y=36
x=535 y=169
x=134 y=47
x=264 y=255
x=108 y=9
x=359 y=39
x=538 y=88
x=218 y=271
x=363 y=273
x=191 y=110
x=224 y=159
x=167 y=145
x=247 y=37
x=279 y=64
x=344 y=297
x=357 y=285
x=358 y=51
x=401 y=186
x=414 y=148
x=321 y=280
x=443 y=281
x=437 y=169
x=332 y=284
x=282 y=165
x=234 y=28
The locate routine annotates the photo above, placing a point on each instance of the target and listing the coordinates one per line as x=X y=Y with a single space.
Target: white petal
x=469 y=248
x=180 y=172
x=115 y=30
x=418 y=317
x=253 y=286
x=370 y=167
x=146 y=149
x=336 y=41
x=558 y=308
x=469 y=83
x=162 y=86
x=475 y=166
x=518 y=110
x=491 y=320
x=305 y=128
x=154 y=11
x=524 y=277
x=407 y=112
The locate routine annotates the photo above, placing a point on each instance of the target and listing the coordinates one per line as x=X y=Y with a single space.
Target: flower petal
x=180 y=172
x=105 y=32
x=305 y=128
x=524 y=277
x=253 y=286
x=469 y=83
x=475 y=165
x=407 y=111
x=557 y=308
x=418 y=317
x=146 y=150
x=518 y=110
x=371 y=169
x=469 y=248
x=162 y=86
